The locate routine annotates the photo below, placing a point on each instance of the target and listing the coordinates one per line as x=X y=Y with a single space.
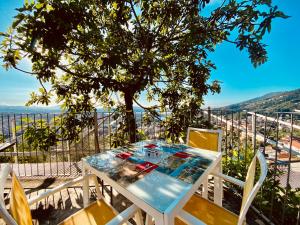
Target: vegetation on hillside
x=286 y=101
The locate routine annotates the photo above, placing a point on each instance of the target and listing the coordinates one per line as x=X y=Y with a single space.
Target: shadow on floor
x=67 y=202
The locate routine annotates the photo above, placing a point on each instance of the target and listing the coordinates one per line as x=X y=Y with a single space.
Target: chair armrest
x=124 y=216
x=230 y=179
x=5 y=215
x=189 y=219
x=56 y=189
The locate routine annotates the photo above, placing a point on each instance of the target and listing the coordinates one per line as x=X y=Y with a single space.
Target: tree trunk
x=130 y=120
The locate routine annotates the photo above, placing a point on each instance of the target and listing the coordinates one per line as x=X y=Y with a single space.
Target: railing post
x=209 y=115
x=253 y=131
x=97 y=149
x=69 y=151
x=13 y=131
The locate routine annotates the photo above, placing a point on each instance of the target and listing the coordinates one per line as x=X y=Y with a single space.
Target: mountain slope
x=272 y=102
x=25 y=109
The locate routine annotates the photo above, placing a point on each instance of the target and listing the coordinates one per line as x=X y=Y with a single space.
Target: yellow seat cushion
x=19 y=207
x=208 y=212
x=97 y=213
x=204 y=140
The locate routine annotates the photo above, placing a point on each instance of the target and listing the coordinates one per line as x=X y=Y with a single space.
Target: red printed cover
x=183 y=155
x=123 y=155
x=150 y=146
x=145 y=165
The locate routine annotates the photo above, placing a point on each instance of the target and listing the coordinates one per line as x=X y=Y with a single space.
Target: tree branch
x=144 y=107
x=41 y=83
x=24 y=71
x=135 y=15
x=149 y=109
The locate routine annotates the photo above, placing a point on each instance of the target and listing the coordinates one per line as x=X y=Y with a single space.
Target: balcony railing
x=276 y=134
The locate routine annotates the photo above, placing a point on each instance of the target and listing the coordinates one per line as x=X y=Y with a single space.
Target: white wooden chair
x=99 y=212
x=202 y=211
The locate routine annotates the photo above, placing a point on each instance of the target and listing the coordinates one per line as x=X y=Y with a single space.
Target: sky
x=240 y=80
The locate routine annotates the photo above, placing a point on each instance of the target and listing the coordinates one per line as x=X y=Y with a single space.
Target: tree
x=88 y=50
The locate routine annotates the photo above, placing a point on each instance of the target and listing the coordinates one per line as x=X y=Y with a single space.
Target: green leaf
x=18 y=20
x=4 y=34
x=115 y=5
x=49 y=8
x=99 y=61
x=39 y=5
x=269 y=27
x=281 y=15
x=17 y=55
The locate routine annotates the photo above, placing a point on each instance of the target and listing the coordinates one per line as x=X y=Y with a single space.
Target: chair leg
x=149 y=220
x=205 y=188
x=111 y=195
x=139 y=218
x=102 y=187
x=110 y=192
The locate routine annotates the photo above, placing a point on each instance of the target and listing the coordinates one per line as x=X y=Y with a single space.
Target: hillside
x=272 y=102
x=24 y=109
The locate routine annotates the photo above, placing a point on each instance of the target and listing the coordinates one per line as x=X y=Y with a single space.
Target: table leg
x=85 y=187
x=218 y=186
x=149 y=220
x=160 y=221
x=168 y=219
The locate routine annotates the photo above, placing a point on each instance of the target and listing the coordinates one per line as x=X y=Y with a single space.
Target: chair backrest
x=204 y=138
x=251 y=189
x=19 y=212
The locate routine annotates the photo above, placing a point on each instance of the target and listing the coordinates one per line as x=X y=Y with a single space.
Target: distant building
x=295 y=142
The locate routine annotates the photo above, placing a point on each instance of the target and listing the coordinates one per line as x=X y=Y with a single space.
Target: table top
x=158 y=173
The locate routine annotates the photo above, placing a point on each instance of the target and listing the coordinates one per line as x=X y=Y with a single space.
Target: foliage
x=119 y=137
x=285 y=200
x=144 y=120
x=3 y=158
x=87 y=51
x=20 y=148
x=177 y=125
x=40 y=136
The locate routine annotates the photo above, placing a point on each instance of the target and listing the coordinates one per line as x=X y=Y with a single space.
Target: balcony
x=42 y=166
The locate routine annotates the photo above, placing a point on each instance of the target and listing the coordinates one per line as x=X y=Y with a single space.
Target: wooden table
x=160 y=185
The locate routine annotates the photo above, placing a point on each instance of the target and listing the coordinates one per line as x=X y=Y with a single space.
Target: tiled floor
x=62 y=204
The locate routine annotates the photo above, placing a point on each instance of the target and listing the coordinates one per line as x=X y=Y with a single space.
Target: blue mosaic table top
x=156 y=172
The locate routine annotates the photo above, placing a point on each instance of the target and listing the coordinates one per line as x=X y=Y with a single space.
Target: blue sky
x=240 y=80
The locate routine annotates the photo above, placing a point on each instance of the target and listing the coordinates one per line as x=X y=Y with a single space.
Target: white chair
x=98 y=212
x=202 y=211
